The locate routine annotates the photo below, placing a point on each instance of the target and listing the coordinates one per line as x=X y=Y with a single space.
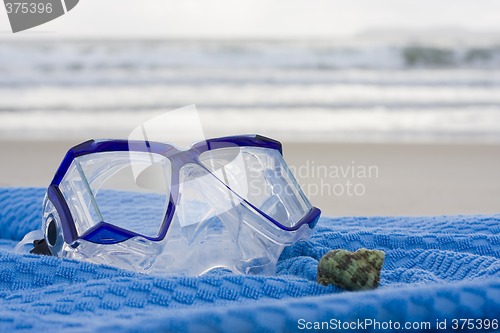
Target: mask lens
x=260 y=176
x=103 y=187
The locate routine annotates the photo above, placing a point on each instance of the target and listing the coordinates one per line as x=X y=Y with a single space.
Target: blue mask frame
x=105 y=233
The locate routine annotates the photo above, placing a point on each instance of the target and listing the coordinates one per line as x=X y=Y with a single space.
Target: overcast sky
x=262 y=18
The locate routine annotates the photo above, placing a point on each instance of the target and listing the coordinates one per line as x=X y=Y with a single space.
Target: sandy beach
x=343 y=179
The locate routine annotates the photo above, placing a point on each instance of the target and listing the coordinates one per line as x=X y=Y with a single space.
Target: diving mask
x=152 y=208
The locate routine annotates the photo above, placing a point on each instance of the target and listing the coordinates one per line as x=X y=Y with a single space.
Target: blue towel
x=436 y=268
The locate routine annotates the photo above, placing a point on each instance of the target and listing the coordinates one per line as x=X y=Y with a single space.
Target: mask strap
x=41 y=247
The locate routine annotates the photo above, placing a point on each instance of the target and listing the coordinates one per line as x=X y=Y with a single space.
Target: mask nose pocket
x=211 y=228
x=201 y=203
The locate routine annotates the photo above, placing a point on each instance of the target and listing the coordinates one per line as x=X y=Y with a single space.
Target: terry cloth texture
x=436 y=268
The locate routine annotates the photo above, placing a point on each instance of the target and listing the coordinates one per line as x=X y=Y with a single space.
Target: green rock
x=358 y=270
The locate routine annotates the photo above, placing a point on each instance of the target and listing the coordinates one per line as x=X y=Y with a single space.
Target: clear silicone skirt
x=152 y=208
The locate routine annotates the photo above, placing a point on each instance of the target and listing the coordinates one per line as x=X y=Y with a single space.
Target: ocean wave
x=196 y=77
x=413 y=125
x=244 y=97
x=80 y=56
